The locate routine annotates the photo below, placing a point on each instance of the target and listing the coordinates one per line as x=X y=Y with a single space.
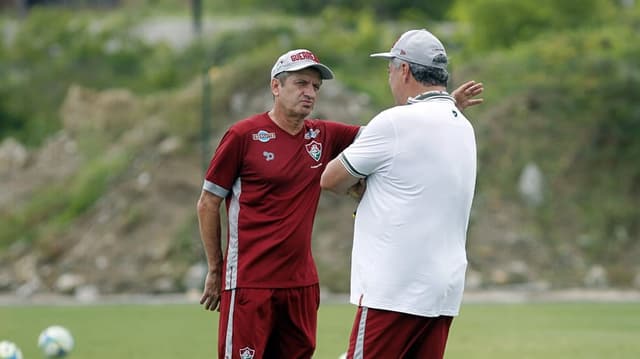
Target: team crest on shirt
x=312 y=133
x=247 y=353
x=263 y=136
x=314 y=149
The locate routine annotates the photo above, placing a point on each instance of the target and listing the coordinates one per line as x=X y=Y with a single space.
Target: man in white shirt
x=418 y=160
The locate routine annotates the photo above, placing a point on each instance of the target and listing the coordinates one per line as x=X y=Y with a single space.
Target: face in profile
x=395 y=76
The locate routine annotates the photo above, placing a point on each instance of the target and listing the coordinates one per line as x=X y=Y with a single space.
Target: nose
x=309 y=94
x=310 y=91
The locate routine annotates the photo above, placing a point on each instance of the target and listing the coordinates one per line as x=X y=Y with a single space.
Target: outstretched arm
x=465 y=93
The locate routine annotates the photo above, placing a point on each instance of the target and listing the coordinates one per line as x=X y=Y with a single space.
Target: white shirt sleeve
x=373 y=150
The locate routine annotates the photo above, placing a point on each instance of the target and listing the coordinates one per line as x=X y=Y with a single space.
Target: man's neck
x=428 y=89
x=416 y=89
x=290 y=124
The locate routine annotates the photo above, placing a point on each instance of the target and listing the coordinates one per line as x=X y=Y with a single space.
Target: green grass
x=496 y=331
x=566 y=330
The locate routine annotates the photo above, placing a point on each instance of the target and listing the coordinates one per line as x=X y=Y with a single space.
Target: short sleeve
x=225 y=165
x=373 y=150
x=342 y=135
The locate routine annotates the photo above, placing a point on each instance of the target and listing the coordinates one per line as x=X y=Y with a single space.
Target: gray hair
x=282 y=77
x=426 y=75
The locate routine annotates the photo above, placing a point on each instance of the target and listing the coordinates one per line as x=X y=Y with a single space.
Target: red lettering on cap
x=304 y=55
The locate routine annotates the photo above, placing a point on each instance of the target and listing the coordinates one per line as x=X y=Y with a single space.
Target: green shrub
x=492 y=24
x=569 y=102
x=54 y=48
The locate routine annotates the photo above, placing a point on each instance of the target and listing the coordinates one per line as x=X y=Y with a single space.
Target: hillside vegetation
x=102 y=149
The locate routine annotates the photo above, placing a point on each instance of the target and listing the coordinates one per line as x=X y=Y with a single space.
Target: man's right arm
x=210 y=234
x=336 y=178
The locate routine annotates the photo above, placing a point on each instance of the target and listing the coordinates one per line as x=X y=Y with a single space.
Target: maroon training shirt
x=271 y=182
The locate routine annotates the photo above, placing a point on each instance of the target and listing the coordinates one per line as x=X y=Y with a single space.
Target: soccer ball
x=55 y=342
x=343 y=356
x=9 y=350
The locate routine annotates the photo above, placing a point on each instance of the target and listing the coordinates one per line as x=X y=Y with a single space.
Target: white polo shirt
x=410 y=229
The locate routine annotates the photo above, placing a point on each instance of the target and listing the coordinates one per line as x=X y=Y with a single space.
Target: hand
x=211 y=294
x=357 y=190
x=464 y=95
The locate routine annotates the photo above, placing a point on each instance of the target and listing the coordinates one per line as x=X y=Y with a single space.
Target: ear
x=275 y=87
x=406 y=72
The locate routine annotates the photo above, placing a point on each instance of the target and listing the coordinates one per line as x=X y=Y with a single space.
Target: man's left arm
x=465 y=93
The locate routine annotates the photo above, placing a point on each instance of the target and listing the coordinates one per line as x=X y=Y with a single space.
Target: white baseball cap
x=419 y=47
x=296 y=60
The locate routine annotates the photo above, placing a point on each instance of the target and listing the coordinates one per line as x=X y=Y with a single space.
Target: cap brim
x=386 y=55
x=325 y=72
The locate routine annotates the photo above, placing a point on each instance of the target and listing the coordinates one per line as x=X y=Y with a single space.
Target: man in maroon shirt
x=267 y=168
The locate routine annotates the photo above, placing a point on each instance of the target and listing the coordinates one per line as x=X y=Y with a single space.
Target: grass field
x=496 y=331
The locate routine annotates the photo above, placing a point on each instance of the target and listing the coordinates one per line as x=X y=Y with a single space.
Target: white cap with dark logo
x=296 y=60
x=419 y=47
